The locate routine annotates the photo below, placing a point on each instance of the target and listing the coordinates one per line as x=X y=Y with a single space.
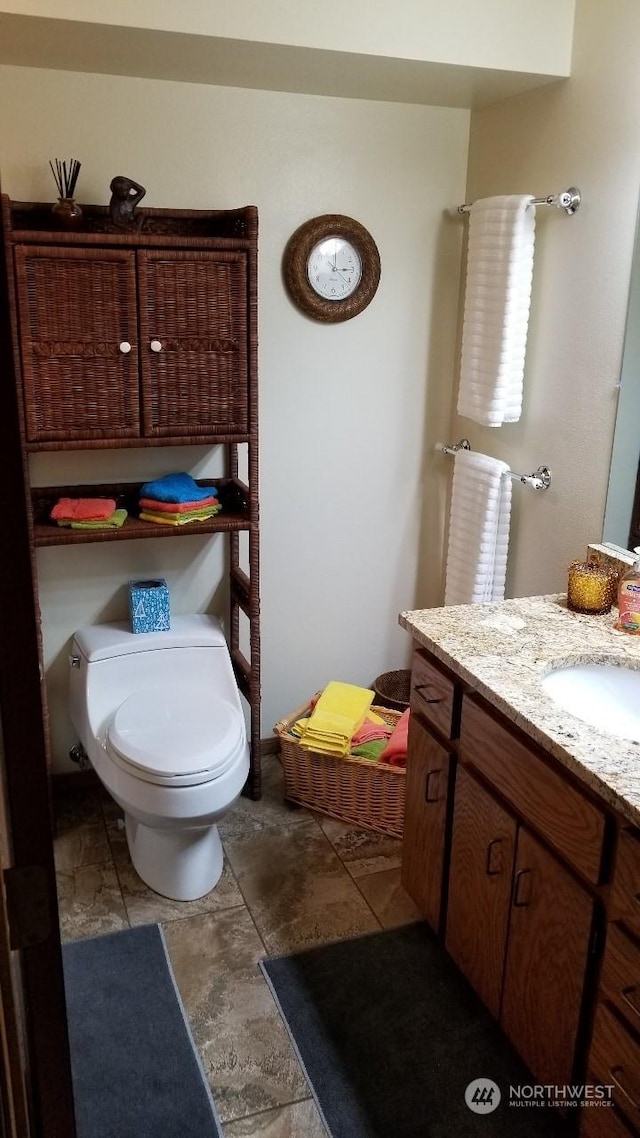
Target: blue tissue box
x=149 y=606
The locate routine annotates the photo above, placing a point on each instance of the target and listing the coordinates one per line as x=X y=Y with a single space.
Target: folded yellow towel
x=340 y=710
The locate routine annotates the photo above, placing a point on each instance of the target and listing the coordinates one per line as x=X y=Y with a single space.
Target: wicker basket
x=367 y=794
x=393 y=689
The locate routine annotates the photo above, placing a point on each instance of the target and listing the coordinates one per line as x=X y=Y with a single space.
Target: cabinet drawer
x=626 y=883
x=433 y=694
x=620 y=979
x=560 y=813
x=615 y=1059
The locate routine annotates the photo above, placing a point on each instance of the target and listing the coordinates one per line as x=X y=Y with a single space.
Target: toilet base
x=181 y=864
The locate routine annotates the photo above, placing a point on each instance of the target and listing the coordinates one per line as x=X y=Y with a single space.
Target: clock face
x=334 y=268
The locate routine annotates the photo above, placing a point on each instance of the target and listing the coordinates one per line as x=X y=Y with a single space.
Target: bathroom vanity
x=522 y=839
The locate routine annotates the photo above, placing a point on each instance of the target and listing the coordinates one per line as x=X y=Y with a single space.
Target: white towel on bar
x=496 y=308
x=478 y=529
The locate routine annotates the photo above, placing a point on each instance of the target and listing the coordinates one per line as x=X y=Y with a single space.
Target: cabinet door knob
x=125 y=347
x=493 y=866
x=429 y=794
x=156 y=345
x=519 y=901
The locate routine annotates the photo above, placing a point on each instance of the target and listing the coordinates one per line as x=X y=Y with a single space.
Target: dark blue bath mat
x=135 y=1067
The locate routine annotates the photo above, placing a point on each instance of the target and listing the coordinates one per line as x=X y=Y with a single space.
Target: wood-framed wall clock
x=331 y=267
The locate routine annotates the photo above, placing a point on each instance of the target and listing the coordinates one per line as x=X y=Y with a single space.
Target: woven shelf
x=47 y=533
x=88 y=309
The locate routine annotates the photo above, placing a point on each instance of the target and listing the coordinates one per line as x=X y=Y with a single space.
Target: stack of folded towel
x=337 y=715
x=176 y=500
x=340 y=707
x=88 y=513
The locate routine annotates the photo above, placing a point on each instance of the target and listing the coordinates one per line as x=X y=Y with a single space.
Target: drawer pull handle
x=421 y=688
x=493 y=869
x=629 y=996
x=615 y=1072
x=156 y=345
x=428 y=796
x=518 y=901
x=125 y=347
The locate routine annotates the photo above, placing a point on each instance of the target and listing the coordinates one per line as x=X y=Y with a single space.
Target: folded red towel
x=395 y=752
x=82 y=509
x=176 y=507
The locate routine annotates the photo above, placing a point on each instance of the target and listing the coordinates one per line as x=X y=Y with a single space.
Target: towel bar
x=569 y=200
x=539 y=480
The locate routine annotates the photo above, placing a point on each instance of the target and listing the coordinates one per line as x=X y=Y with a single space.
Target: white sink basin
x=603 y=695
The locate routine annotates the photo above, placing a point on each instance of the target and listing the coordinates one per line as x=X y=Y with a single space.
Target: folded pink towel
x=158 y=507
x=82 y=509
x=370 y=731
x=395 y=752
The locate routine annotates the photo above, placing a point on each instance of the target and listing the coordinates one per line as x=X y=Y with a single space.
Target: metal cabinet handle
x=428 y=796
x=125 y=347
x=518 y=902
x=156 y=345
x=491 y=870
x=420 y=688
x=613 y=1071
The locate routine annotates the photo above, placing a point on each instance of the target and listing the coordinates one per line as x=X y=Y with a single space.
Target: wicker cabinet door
x=194 y=343
x=78 y=340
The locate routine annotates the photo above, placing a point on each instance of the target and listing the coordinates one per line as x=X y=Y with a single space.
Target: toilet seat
x=176 y=736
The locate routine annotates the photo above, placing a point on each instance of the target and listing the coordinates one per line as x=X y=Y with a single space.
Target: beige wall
x=583 y=132
x=349 y=412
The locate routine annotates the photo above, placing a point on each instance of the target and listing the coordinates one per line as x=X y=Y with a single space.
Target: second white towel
x=478 y=529
x=496 y=308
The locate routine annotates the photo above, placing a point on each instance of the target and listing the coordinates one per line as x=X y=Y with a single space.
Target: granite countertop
x=503 y=649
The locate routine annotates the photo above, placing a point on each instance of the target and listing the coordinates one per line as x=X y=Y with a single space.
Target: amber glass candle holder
x=591 y=587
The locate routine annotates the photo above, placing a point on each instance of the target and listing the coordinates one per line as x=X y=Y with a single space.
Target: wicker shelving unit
x=137 y=338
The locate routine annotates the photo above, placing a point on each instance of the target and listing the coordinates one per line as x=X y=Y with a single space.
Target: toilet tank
x=109 y=663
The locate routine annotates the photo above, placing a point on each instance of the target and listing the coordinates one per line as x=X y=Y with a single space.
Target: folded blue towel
x=176 y=488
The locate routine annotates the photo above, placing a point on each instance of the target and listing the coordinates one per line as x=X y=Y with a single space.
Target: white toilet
x=160 y=718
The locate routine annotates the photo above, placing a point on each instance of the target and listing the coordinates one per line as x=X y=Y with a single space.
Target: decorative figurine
x=125 y=196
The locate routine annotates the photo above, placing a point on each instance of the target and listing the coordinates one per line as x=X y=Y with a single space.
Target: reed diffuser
x=66 y=210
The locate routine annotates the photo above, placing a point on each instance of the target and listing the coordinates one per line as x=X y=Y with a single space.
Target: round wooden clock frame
x=295 y=267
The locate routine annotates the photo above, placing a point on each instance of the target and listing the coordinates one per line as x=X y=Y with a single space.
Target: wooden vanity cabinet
x=521 y=870
x=435 y=702
x=614 y=1053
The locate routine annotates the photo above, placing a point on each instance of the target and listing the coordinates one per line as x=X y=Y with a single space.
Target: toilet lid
x=172 y=731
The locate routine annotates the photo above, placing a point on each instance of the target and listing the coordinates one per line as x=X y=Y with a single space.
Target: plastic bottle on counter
x=629 y=598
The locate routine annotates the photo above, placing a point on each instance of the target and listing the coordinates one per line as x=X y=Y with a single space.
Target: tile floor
x=292 y=879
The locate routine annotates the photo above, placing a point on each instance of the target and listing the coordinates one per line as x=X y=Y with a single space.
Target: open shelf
x=46 y=532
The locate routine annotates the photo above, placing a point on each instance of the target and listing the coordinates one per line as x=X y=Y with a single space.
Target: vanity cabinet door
x=194 y=310
x=482 y=853
x=425 y=821
x=549 y=938
x=78 y=326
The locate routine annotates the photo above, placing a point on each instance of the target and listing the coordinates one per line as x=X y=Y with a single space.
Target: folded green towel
x=371 y=750
x=113 y=522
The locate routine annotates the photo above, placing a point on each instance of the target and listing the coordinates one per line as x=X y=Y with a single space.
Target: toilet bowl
x=160 y=718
